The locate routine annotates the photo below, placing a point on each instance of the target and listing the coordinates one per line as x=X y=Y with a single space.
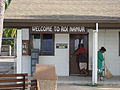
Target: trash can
x=46 y=77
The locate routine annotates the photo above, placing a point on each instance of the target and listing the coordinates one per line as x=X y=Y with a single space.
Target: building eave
x=86 y=23
x=60 y=21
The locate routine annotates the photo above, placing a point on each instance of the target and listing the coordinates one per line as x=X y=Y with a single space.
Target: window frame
x=41 y=46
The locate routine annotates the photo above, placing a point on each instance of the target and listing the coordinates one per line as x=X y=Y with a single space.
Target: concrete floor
x=79 y=83
x=72 y=87
x=74 y=82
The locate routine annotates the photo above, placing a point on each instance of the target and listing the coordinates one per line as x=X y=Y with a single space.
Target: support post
x=19 y=51
x=95 y=55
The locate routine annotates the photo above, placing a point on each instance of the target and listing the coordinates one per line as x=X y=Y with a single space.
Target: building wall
x=110 y=40
x=26 y=64
x=107 y=38
x=26 y=60
x=61 y=57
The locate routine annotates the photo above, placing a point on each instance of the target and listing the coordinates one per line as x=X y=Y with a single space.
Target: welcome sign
x=58 y=29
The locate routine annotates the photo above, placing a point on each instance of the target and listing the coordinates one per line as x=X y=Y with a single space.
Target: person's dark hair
x=103 y=49
x=82 y=46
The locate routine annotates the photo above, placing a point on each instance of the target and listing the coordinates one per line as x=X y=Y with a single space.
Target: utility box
x=46 y=77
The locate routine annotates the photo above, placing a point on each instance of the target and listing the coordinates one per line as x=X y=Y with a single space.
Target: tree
x=7 y=2
x=1 y=21
x=10 y=34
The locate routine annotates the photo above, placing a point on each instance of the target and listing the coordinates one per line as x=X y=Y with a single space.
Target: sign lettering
x=64 y=29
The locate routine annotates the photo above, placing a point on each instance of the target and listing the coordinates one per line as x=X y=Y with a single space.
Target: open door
x=75 y=41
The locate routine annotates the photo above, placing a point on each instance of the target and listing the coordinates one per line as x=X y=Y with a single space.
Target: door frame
x=87 y=53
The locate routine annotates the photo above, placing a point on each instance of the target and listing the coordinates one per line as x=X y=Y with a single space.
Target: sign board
x=61 y=45
x=58 y=29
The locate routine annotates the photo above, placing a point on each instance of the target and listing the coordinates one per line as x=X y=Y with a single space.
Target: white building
x=57 y=27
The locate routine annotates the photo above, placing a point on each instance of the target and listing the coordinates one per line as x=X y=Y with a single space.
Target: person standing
x=81 y=59
x=100 y=62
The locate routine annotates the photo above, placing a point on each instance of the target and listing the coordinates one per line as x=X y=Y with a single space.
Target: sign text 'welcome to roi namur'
x=58 y=29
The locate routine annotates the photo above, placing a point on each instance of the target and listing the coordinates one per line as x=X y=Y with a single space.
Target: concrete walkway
x=87 y=80
x=80 y=83
x=73 y=87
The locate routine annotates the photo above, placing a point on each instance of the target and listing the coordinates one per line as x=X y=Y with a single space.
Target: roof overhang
x=87 y=23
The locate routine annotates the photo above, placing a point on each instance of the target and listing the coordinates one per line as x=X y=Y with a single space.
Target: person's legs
x=83 y=68
x=82 y=65
x=100 y=74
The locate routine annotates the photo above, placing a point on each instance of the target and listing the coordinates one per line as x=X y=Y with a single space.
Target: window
x=43 y=42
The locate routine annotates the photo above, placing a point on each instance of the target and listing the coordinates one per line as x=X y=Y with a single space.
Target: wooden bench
x=13 y=81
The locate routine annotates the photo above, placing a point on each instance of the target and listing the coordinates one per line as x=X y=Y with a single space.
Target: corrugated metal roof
x=64 y=9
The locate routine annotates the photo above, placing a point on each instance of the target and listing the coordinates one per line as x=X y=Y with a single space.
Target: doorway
x=76 y=41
